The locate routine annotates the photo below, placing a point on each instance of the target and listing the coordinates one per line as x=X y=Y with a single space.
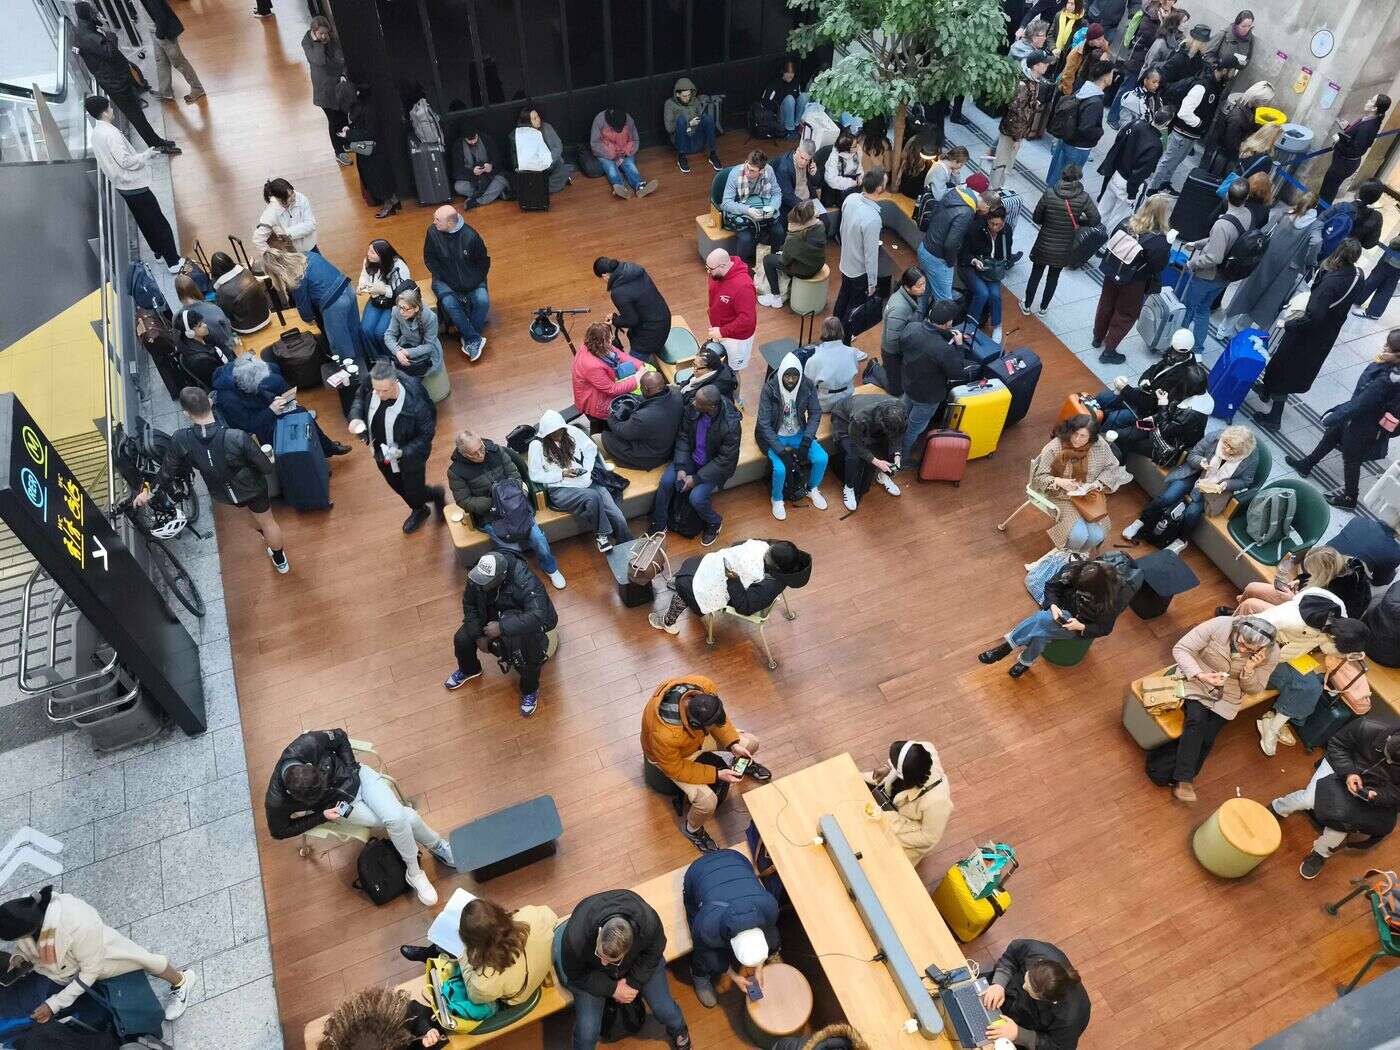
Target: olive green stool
x=1066 y=652
x=807 y=295
x=785 y=1008
x=437 y=384
x=1236 y=838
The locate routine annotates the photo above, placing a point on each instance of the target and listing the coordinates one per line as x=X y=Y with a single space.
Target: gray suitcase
x=1162 y=314
x=430 y=177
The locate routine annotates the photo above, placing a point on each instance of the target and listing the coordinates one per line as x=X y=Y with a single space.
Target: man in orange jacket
x=684 y=728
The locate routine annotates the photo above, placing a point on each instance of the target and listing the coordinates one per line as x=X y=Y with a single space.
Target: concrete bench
x=510 y=838
x=664 y=893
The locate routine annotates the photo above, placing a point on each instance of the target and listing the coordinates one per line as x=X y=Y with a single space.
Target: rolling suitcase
x=298 y=355
x=531 y=190
x=302 y=470
x=967 y=917
x=1020 y=371
x=1197 y=207
x=1162 y=314
x=1235 y=372
x=430 y=179
x=1383 y=497
x=944 y=456
x=979 y=410
x=1080 y=405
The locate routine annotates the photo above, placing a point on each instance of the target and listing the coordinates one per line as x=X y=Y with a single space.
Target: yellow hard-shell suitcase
x=966 y=916
x=979 y=411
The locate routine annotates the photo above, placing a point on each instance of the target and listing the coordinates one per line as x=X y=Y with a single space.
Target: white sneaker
x=818 y=500
x=1176 y=546
x=780 y=510
x=1268 y=741
x=443 y=852
x=996 y=334
x=179 y=1000
x=557 y=578
x=421 y=884
x=659 y=622
x=848 y=497
x=887 y=483
x=284 y=566
x=178 y=266
x=1132 y=529
x=773 y=302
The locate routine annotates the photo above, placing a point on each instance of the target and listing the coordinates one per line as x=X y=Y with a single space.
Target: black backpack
x=1065 y=120
x=1244 y=255
x=765 y=121
x=795 y=480
x=518 y=440
x=923 y=209
x=380 y=871
x=512 y=517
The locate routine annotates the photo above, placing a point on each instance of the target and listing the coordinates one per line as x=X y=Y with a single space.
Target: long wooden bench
x=897 y=214
x=664 y=893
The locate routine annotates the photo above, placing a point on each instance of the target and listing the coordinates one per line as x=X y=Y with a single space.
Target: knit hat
x=1095 y=32
x=977 y=183
x=750 y=947
x=703 y=710
x=1200 y=31
x=945 y=311
x=486 y=571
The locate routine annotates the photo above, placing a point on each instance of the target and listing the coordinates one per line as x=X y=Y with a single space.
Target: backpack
x=380 y=871
x=765 y=122
x=518 y=440
x=512 y=517
x=1065 y=120
x=1122 y=259
x=1244 y=255
x=622 y=1019
x=424 y=124
x=795 y=480
x=141 y=284
x=1337 y=222
x=923 y=210
x=1163 y=526
x=1269 y=517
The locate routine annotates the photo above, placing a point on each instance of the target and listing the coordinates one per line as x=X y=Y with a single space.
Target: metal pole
x=104 y=250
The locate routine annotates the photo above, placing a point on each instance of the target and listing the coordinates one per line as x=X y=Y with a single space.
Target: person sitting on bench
x=1211 y=475
x=920 y=801
x=747 y=577
x=383 y=1018
x=789 y=414
x=706 y=456
x=642 y=434
x=506 y=612
x=733 y=922
x=318 y=780
x=1300 y=622
x=1043 y=1003
x=1356 y=789
x=613 y=946
x=684 y=726
x=561 y=461
x=1325 y=569
x=711 y=368
x=1341 y=676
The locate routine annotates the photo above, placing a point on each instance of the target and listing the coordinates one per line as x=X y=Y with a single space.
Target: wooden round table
x=785 y=1008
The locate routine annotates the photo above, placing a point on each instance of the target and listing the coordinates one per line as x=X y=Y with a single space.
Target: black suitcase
x=1328 y=717
x=431 y=182
x=1197 y=207
x=532 y=190
x=1020 y=371
x=302 y=470
x=298 y=354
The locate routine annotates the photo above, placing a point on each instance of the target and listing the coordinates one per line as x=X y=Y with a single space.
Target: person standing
x=1294 y=241
x=1021 y=114
x=394 y=415
x=1354 y=140
x=327 y=64
x=1207 y=257
x=1132 y=265
x=129 y=172
x=860 y=246
x=321 y=293
x=901 y=310
x=287 y=212
x=933 y=363
x=639 y=309
x=942 y=243
x=733 y=922
x=168 y=27
x=733 y=307
x=1131 y=158
x=96 y=45
x=1061 y=209
x=1084 y=127
x=456 y=257
x=1233 y=47
x=1195 y=113
x=1154 y=13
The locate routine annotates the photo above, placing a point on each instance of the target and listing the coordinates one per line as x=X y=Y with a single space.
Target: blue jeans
x=700 y=139
x=985 y=295
x=1173 y=493
x=920 y=414
x=1035 y=632
x=26 y=994
x=616 y=169
x=466 y=310
x=588 y=1008
x=535 y=541
x=1062 y=156
x=939 y=277
x=1117 y=415
x=790 y=109
x=699 y=497
x=816 y=459
x=374 y=322
x=340 y=320
x=1298 y=693
x=1197 y=299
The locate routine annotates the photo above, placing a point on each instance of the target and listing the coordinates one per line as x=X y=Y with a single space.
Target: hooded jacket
x=948 y=226
x=853 y=419
x=804 y=249
x=644 y=437
x=1133 y=155
x=596 y=384
x=577 y=949
x=410 y=421
x=243 y=299
x=921 y=810
x=669 y=747
x=1359 y=748
x=803 y=399
x=734 y=302
x=548 y=473
x=901 y=310
x=675 y=109
x=722 y=443
x=641 y=309
x=610 y=144
x=723 y=898
x=471 y=483
x=97 y=47
x=931 y=366
x=329 y=751
x=1024 y=107
x=1299 y=621
x=519 y=603
x=249 y=412
x=1052 y=214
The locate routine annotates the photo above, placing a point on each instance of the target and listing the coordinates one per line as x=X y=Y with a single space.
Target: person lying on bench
x=917 y=788
x=1043 y=1003
x=318 y=780
x=383 y=1018
x=1324 y=567
x=1356 y=789
x=733 y=922
x=506 y=954
x=1340 y=676
x=747 y=577
x=613 y=947
x=684 y=726
x=1212 y=473
x=1301 y=622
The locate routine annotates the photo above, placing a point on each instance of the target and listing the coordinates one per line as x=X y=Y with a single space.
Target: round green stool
x=437 y=384
x=1236 y=838
x=807 y=295
x=1066 y=652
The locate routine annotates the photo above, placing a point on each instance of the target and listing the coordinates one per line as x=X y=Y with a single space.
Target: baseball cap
x=485 y=571
x=750 y=947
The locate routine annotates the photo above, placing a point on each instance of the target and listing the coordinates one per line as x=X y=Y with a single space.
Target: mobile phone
x=741 y=766
x=344 y=808
x=12 y=968
x=755 y=992
x=1062 y=619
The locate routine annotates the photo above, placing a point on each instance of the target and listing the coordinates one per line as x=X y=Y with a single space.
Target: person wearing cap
x=789 y=414
x=478 y=168
x=917 y=788
x=1087 y=126
x=947 y=228
x=933 y=363
x=506 y=612
x=1356 y=789
x=687 y=735
x=394 y=415
x=1022 y=113
x=1178 y=53
x=733 y=922
x=1196 y=99
x=200 y=356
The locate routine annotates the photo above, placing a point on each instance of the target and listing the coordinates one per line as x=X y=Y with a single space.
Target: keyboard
x=967 y=1017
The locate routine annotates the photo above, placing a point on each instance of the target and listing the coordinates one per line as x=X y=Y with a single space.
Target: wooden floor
x=903 y=595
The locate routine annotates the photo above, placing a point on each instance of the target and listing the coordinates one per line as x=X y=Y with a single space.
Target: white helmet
x=170 y=525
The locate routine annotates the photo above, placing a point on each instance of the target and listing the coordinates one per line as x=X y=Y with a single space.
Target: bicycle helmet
x=169 y=524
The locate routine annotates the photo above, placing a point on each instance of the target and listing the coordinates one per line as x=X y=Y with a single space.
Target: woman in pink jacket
x=602 y=373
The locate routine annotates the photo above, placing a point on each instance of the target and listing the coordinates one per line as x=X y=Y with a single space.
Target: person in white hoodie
x=129 y=171
x=562 y=458
x=288 y=212
x=914 y=782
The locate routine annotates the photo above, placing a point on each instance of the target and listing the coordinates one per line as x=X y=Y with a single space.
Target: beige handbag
x=648 y=558
x=1163 y=692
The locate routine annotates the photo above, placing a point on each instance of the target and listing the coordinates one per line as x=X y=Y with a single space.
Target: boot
x=1269 y=727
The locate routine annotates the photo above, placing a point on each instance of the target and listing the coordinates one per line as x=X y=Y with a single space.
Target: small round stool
x=437 y=384
x=785 y=1008
x=659 y=781
x=1066 y=652
x=808 y=294
x=1236 y=838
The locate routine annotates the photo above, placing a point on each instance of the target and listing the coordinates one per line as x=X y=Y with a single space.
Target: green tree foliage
x=898 y=52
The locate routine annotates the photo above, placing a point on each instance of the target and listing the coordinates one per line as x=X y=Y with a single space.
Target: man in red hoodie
x=733 y=307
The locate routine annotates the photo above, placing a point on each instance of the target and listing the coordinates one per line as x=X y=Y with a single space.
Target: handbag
x=1086 y=240
x=1163 y=692
x=648 y=558
x=993 y=270
x=1091 y=506
x=864 y=317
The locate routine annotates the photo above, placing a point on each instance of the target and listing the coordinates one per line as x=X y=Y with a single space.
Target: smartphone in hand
x=755 y=992
x=741 y=766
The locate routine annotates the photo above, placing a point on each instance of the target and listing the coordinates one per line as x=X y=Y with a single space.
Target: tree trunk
x=897 y=167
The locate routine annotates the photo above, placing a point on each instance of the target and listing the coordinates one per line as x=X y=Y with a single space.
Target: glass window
x=544 y=46
x=407 y=49
x=707 y=31
x=629 y=39
x=744 y=16
x=585 y=21
x=500 y=50
x=668 y=35
x=452 y=43
x=778 y=22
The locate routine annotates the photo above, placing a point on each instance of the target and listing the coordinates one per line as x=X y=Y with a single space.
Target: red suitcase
x=945 y=456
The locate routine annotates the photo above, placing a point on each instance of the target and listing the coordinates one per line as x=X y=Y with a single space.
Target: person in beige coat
x=63 y=939
x=1077 y=469
x=916 y=785
x=506 y=955
x=1221 y=660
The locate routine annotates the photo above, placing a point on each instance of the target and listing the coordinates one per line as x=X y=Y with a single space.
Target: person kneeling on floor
x=747 y=577
x=505 y=612
x=1356 y=789
x=1042 y=1001
x=684 y=726
x=789 y=413
x=318 y=780
x=733 y=922
x=869 y=431
x=919 y=800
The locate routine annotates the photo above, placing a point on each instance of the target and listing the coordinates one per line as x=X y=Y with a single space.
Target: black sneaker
x=1000 y=651
x=715 y=162
x=684 y=164
x=415 y=519
x=700 y=839
x=1341 y=500
x=681 y=1040
x=762 y=774
x=709 y=534
x=1312 y=864
x=1112 y=357
x=1300 y=464
x=339 y=448
x=1017 y=669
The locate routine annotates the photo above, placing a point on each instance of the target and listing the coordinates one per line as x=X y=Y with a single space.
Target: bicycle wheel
x=176 y=578
x=190 y=504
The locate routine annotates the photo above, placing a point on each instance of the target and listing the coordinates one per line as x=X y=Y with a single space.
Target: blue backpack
x=512 y=517
x=141 y=284
x=1337 y=222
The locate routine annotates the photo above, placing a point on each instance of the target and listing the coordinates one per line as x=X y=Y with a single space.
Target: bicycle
x=168 y=567
x=138 y=461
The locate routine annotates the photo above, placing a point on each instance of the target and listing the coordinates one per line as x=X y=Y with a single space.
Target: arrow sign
x=20 y=850
x=100 y=552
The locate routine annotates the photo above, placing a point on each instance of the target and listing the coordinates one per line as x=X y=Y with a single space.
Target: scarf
x=763 y=186
x=1071 y=463
x=799 y=182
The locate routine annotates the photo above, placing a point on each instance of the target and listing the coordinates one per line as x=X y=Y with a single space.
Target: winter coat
x=243 y=299
x=804 y=250
x=413 y=422
x=418 y=337
x=97 y=47
x=1377 y=392
x=1226 y=49
x=519 y=603
x=669 y=747
x=1359 y=747
x=642 y=311
x=471 y=483
x=1306 y=342
x=785 y=171
x=1133 y=155
x=200 y=360
x=931 y=364
x=577 y=949
x=921 y=812
x=1194 y=465
x=1107 y=13
x=1025 y=106
x=645 y=437
x=675 y=109
x=948 y=225
x=1178 y=65
x=322 y=285
x=1196 y=105
x=248 y=412
x=327 y=68
x=596 y=384
x=1052 y=213
x=1375 y=544
x=1061 y=592
x=167 y=24
x=1054 y=1026
x=1291 y=252
x=458 y=259
x=609 y=144
x=1206 y=648
x=723 y=444
x=1383 y=618
x=1233 y=124
x=1088 y=117
x=329 y=751
x=733 y=302
x=518 y=981
x=852 y=419
x=220 y=328
x=723 y=379
x=196 y=447
x=770 y=410
x=901 y=310
x=298 y=222
x=981 y=245
x=723 y=898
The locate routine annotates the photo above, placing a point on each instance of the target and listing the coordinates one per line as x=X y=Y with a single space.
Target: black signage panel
x=42 y=502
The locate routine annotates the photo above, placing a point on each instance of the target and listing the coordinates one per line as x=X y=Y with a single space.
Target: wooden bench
x=897 y=214
x=664 y=893
x=1153 y=728
x=711 y=234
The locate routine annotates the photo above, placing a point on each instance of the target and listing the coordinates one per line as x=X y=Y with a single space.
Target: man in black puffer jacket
x=706 y=456
x=97 y=46
x=641 y=311
x=1383 y=617
x=642 y=435
x=505 y=612
x=396 y=418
